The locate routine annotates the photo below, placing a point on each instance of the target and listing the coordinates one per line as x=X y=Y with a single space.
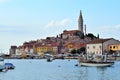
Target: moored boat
x=98 y=61
x=97 y=64
x=9 y=66
x=49 y=57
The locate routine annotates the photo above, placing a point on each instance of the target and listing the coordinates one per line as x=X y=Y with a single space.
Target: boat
x=49 y=57
x=98 y=62
x=9 y=66
x=49 y=60
x=1 y=64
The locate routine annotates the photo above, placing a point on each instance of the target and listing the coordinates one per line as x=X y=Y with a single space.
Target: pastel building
x=100 y=46
x=114 y=47
x=42 y=48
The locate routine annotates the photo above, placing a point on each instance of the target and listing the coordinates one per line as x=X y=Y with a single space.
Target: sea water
x=40 y=69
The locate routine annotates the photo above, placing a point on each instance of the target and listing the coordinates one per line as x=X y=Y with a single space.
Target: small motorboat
x=9 y=66
x=49 y=57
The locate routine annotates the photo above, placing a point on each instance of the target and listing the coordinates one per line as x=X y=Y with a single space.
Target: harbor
x=40 y=69
x=59 y=40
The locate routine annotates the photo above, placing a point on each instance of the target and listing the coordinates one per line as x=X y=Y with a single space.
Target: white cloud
x=61 y=23
x=111 y=28
x=112 y=31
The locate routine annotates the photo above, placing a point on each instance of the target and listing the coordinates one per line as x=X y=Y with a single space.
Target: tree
x=98 y=36
x=81 y=50
x=61 y=36
x=91 y=36
x=73 y=51
x=57 y=36
x=48 y=38
x=80 y=34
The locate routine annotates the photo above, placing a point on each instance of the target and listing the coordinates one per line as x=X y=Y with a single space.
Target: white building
x=99 y=46
x=19 y=51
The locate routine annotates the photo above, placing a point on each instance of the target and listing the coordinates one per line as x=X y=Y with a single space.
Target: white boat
x=98 y=61
x=49 y=57
x=97 y=64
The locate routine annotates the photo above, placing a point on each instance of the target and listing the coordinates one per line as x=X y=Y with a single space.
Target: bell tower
x=80 y=22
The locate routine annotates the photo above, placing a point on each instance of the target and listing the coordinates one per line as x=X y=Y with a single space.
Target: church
x=80 y=32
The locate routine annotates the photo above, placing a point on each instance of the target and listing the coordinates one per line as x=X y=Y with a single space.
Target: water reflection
x=101 y=72
x=93 y=73
x=83 y=73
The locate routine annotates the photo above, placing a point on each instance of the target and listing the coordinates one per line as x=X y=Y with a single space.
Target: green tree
x=82 y=49
x=73 y=51
x=91 y=36
x=48 y=38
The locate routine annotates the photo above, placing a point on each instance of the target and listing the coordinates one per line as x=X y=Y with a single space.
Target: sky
x=26 y=20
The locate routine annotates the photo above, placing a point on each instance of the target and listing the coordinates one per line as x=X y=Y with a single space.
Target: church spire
x=80 y=15
x=80 y=22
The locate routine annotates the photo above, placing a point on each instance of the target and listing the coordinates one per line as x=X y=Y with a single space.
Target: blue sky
x=25 y=20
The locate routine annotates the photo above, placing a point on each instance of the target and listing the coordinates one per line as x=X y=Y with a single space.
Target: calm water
x=33 y=69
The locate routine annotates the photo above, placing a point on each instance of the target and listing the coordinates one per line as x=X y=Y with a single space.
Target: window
x=110 y=47
x=113 y=47
x=88 y=47
x=96 y=52
x=100 y=47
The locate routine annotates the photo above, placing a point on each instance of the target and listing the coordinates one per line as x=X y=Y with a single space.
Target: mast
x=102 y=46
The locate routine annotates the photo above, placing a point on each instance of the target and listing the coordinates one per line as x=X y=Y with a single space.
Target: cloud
x=61 y=23
x=110 y=31
x=110 y=28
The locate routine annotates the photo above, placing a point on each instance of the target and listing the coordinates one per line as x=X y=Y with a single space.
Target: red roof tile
x=98 y=41
x=70 y=32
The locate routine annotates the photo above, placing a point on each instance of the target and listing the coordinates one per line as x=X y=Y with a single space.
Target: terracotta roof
x=70 y=32
x=98 y=41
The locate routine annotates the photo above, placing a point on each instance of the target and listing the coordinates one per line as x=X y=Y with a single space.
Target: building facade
x=13 y=50
x=100 y=46
x=114 y=48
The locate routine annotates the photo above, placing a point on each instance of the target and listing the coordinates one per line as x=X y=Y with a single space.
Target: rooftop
x=99 y=41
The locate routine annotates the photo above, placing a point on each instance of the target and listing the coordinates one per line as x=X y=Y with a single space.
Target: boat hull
x=97 y=64
x=2 y=67
x=9 y=66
